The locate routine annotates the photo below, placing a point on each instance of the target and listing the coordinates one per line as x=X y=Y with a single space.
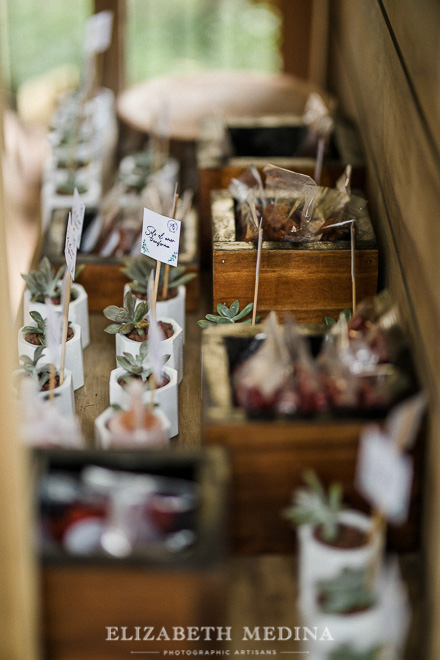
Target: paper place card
x=78 y=211
x=384 y=475
x=70 y=247
x=53 y=332
x=98 y=32
x=403 y=421
x=160 y=237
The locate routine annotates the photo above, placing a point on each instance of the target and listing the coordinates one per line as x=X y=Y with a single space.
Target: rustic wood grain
x=385 y=67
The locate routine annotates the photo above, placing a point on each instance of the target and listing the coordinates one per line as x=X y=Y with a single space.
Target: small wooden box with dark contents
x=223 y=155
x=309 y=280
x=269 y=456
x=83 y=596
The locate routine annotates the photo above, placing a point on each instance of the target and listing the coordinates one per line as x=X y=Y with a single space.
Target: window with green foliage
x=185 y=36
x=161 y=36
x=40 y=36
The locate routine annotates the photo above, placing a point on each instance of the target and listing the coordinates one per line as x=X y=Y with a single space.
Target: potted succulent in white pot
x=351 y=611
x=45 y=284
x=130 y=327
x=30 y=336
x=138 y=270
x=164 y=393
x=137 y=426
x=330 y=537
x=63 y=392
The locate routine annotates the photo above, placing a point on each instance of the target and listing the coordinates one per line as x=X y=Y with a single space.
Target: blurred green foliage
x=162 y=36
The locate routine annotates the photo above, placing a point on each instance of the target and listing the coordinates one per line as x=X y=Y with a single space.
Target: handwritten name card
x=160 y=237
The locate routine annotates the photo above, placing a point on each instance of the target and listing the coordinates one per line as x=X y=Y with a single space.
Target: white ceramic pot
x=361 y=631
x=173 y=308
x=63 y=395
x=105 y=439
x=74 y=355
x=318 y=561
x=166 y=397
x=172 y=346
x=78 y=311
x=51 y=200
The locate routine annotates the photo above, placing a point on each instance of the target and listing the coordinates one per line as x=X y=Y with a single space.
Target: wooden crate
x=82 y=596
x=217 y=168
x=309 y=280
x=268 y=457
x=102 y=277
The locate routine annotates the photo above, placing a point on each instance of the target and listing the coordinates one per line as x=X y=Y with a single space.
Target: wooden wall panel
x=385 y=67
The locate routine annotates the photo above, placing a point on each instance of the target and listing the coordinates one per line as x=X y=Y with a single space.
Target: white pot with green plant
x=62 y=395
x=30 y=336
x=136 y=426
x=45 y=284
x=138 y=270
x=164 y=394
x=130 y=327
x=350 y=612
x=330 y=538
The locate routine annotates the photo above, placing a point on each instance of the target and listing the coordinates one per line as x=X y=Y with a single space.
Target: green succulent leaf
x=112 y=329
x=244 y=312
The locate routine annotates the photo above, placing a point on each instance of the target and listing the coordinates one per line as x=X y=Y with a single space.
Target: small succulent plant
x=128 y=318
x=45 y=282
x=313 y=505
x=346 y=652
x=39 y=373
x=138 y=270
x=346 y=593
x=227 y=314
x=328 y=320
x=135 y=365
x=39 y=329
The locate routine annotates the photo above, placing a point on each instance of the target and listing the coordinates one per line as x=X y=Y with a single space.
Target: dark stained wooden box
x=309 y=280
x=268 y=457
x=102 y=277
x=82 y=596
x=258 y=141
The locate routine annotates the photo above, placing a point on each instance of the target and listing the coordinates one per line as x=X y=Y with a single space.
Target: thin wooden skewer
x=353 y=267
x=167 y=266
x=65 y=325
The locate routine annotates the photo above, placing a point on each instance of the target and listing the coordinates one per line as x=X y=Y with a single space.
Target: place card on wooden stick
x=384 y=471
x=97 y=39
x=160 y=241
x=73 y=239
x=317 y=115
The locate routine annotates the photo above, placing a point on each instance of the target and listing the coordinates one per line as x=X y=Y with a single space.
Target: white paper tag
x=384 y=475
x=160 y=237
x=98 y=32
x=403 y=421
x=70 y=247
x=78 y=211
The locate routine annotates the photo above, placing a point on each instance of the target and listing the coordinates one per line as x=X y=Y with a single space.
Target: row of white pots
x=73 y=359
x=78 y=310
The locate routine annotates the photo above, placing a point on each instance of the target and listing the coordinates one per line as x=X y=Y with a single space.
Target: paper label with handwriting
x=70 y=247
x=384 y=475
x=160 y=237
